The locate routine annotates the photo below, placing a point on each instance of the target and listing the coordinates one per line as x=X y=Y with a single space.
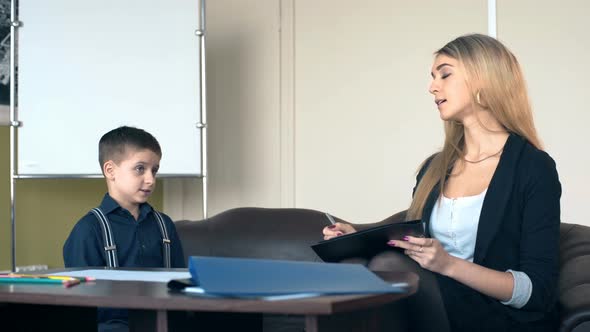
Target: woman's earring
x=477 y=98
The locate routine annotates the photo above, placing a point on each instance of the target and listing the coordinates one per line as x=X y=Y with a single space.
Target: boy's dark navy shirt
x=139 y=244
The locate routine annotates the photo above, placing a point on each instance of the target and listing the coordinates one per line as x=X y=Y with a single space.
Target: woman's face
x=449 y=87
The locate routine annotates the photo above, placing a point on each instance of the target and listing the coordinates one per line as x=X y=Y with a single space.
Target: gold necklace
x=485 y=158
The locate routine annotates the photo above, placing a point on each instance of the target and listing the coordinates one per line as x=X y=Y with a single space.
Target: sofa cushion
x=574 y=276
x=255 y=233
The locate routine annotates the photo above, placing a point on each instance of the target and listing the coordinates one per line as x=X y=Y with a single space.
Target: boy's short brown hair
x=114 y=144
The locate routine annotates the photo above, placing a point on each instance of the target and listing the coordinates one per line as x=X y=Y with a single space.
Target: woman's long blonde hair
x=497 y=85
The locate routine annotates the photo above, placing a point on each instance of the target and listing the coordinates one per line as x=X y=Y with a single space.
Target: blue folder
x=246 y=277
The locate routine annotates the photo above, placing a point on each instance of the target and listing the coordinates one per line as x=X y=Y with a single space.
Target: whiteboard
x=86 y=67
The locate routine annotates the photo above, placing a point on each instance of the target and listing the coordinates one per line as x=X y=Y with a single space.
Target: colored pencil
x=25 y=280
x=18 y=275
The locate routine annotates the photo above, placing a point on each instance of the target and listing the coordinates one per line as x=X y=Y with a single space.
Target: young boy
x=125 y=231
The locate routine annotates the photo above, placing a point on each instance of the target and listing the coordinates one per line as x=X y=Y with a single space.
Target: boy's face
x=133 y=180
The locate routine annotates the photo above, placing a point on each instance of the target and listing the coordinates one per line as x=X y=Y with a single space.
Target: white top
x=454 y=222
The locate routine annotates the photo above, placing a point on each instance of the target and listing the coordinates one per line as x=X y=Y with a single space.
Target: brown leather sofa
x=288 y=233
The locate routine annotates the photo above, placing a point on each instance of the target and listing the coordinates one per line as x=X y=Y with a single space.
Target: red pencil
x=70 y=283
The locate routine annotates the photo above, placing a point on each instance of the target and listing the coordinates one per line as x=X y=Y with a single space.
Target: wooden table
x=150 y=303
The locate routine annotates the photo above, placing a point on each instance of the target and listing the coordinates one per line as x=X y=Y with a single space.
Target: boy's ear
x=109 y=170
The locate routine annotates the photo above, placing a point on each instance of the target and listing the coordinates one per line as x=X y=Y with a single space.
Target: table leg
x=148 y=320
x=181 y=321
x=386 y=318
x=16 y=317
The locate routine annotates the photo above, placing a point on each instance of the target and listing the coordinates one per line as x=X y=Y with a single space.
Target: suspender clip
x=113 y=247
x=166 y=241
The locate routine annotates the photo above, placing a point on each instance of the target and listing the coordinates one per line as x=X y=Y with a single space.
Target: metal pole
x=13 y=128
x=203 y=100
x=492 y=19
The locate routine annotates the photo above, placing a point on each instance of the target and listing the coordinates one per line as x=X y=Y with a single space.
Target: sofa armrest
x=251 y=232
x=574 y=277
x=576 y=321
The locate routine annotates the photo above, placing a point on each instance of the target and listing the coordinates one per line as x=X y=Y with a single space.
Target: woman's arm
x=496 y=284
x=539 y=244
x=430 y=254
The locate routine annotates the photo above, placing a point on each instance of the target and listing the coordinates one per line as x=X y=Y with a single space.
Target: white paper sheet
x=155 y=276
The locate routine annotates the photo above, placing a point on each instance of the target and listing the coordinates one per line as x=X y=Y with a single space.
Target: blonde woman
x=490 y=197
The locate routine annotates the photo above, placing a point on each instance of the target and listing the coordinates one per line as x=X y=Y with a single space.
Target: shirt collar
x=109 y=205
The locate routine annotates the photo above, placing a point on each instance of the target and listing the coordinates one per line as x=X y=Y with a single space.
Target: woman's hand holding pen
x=427 y=252
x=337 y=229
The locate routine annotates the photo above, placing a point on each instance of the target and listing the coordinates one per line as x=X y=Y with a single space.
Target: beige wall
x=553 y=46
x=341 y=97
x=332 y=112
x=364 y=117
x=244 y=119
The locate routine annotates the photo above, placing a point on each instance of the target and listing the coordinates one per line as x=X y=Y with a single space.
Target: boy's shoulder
x=89 y=220
x=86 y=224
x=165 y=217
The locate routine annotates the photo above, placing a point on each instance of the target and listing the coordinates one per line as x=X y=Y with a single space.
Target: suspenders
x=109 y=243
x=165 y=239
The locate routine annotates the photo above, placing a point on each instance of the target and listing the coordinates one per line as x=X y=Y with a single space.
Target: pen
x=330 y=218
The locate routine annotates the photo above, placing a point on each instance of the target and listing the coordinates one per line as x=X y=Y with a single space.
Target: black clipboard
x=367 y=243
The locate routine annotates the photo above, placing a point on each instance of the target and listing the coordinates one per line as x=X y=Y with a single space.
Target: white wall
x=553 y=46
x=324 y=104
x=364 y=117
x=243 y=84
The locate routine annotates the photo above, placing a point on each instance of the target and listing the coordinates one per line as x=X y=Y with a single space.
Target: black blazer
x=519 y=224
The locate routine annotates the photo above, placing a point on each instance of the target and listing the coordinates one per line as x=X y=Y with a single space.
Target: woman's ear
x=109 y=170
